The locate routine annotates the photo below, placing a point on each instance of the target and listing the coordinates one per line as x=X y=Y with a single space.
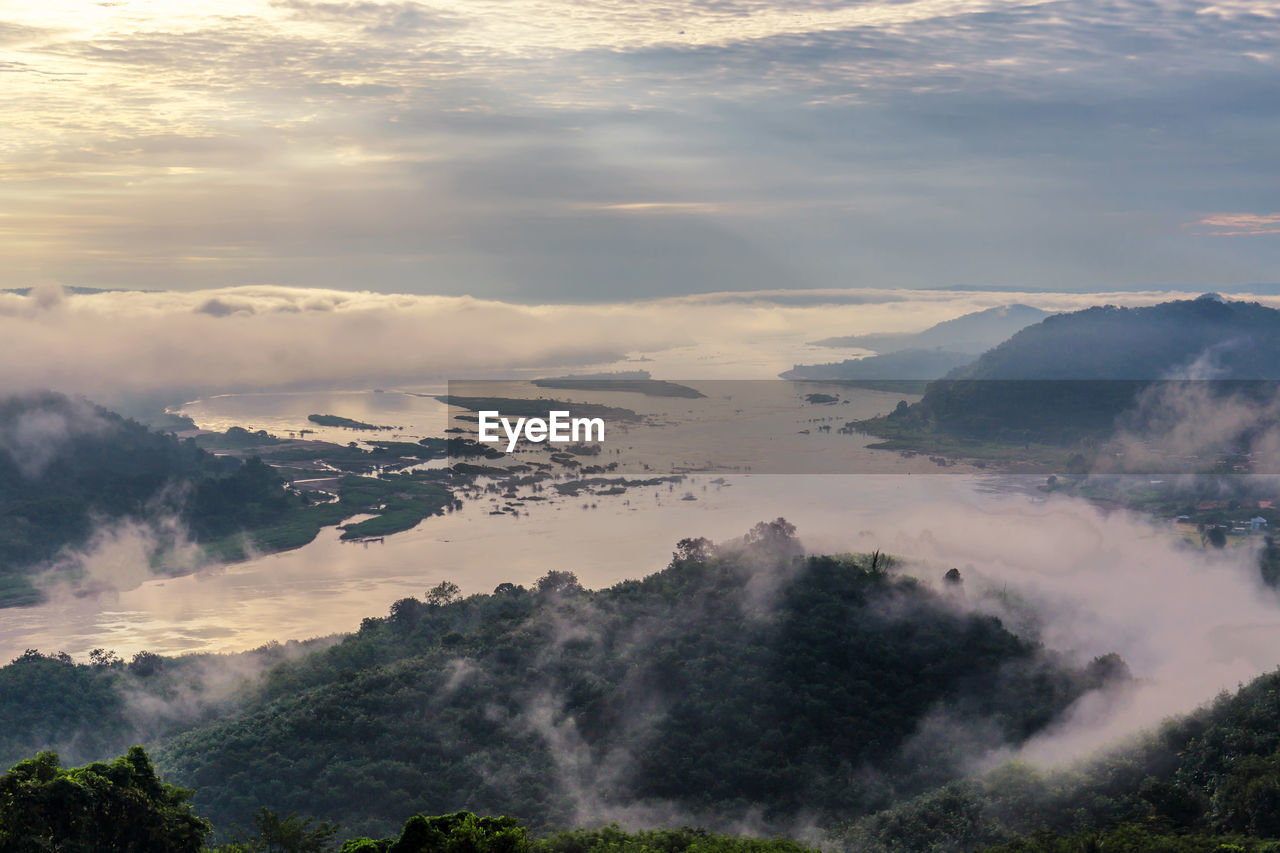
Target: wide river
x=330 y=586
x=1187 y=620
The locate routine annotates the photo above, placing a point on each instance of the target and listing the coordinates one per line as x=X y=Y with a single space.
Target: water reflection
x=329 y=585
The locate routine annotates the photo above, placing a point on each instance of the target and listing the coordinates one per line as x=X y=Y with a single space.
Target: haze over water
x=329 y=585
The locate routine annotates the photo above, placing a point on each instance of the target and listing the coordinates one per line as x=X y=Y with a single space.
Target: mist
x=34 y=431
x=1188 y=621
x=122 y=554
x=120 y=343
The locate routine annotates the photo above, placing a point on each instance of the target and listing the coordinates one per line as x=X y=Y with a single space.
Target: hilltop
x=67 y=465
x=921 y=355
x=1204 y=338
x=1071 y=376
x=742 y=679
x=71 y=470
x=971 y=333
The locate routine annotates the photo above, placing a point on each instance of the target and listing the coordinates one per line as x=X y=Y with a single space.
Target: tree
x=406 y=611
x=556 y=581
x=462 y=832
x=288 y=834
x=146 y=663
x=776 y=538
x=697 y=550
x=1217 y=537
x=120 y=806
x=104 y=657
x=445 y=592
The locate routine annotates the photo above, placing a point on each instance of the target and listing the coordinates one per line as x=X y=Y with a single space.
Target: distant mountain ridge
x=1204 y=338
x=1072 y=375
x=972 y=333
x=925 y=355
x=909 y=364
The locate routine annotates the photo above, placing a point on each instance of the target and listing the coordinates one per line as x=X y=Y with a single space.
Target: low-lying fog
x=122 y=343
x=1189 y=622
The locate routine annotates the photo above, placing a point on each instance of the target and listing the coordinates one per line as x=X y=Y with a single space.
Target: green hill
x=1207 y=337
x=1071 y=376
x=67 y=466
x=124 y=807
x=740 y=680
x=1207 y=781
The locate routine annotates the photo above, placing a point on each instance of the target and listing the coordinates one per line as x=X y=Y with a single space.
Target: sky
x=595 y=151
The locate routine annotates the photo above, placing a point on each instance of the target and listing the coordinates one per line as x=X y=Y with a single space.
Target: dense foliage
x=1207 y=778
x=88 y=711
x=464 y=832
x=123 y=807
x=100 y=808
x=742 y=679
x=1134 y=838
x=52 y=703
x=1068 y=378
x=67 y=465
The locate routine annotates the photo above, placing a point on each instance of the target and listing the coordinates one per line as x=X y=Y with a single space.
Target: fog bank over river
x=1188 y=621
x=330 y=586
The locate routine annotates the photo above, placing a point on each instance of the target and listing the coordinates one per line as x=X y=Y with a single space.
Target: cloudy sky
x=601 y=150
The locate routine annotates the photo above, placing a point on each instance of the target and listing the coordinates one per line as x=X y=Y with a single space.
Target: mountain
x=925 y=355
x=1204 y=782
x=634 y=381
x=904 y=365
x=68 y=466
x=971 y=333
x=743 y=679
x=1072 y=375
x=1204 y=338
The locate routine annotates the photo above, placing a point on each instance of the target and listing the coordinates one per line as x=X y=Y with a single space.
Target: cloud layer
x=252 y=338
x=608 y=150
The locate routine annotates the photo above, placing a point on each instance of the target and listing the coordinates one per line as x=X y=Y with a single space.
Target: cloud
x=1188 y=621
x=118 y=556
x=556 y=151
x=375 y=19
x=249 y=338
x=1241 y=224
x=37 y=430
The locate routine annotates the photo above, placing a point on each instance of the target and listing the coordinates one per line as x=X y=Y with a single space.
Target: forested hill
x=1188 y=339
x=971 y=333
x=741 y=681
x=1069 y=377
x=924 y=355
x=66 y=463
x=1207 y=782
